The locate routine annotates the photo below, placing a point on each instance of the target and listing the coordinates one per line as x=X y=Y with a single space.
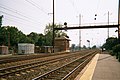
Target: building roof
x=3 y=46
x=62 y=38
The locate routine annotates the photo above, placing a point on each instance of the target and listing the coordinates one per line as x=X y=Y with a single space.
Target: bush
x=111 y=53
x=119 y=57
x=116 y=50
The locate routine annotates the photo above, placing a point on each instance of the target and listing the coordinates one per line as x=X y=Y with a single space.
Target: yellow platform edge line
x=87 y=75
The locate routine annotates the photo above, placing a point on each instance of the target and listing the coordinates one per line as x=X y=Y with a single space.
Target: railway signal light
x=95 y=16
x=65 y=26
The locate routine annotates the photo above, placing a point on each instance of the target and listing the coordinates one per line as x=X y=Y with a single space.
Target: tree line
x=14 y=36
x=113 y=45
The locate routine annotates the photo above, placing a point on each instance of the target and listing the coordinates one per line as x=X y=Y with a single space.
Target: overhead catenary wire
x=13 y=15
x=8 y=11
x=17 y=12
x=14 y=11
x=20 y=22
x=35 y=5
x=97 y=7
x=18 y=17
x=73 y=5
x=42 y=9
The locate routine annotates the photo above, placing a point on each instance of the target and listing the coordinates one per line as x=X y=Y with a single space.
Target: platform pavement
x=102 y=67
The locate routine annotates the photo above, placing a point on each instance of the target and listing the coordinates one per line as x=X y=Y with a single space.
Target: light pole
x=8 y=37
x=53 y=26
x=88 y=43
x=108 y=21
x=80 y=16
x=108 y=24
x=79 y=32
x=1 y=20
x=119 y=21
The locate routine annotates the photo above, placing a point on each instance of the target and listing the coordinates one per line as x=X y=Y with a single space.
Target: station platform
x=102 y=67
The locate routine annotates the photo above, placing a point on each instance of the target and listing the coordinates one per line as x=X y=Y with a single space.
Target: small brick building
x=3 y=50
x=61 y=44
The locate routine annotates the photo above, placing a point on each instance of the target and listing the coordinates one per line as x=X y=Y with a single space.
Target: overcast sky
x=33 y=15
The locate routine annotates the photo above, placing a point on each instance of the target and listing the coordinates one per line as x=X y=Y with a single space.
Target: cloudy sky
x=33 y=15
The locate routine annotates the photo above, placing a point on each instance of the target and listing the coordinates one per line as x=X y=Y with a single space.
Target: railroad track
x=67 y=71
x=16 y=69
x=26 y=57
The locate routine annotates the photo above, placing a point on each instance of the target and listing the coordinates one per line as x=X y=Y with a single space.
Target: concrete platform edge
x=88 y=71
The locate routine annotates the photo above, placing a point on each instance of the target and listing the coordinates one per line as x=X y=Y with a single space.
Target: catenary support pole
x=79 y=32
x=119 y=21
x=53 y=26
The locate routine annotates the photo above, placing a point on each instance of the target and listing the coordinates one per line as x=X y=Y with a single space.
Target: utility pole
x=108 y=23
x=119 y=22
x=8 y=40
x=88 y=43
x=79 y=32
x=53 y=26
x=1 y=20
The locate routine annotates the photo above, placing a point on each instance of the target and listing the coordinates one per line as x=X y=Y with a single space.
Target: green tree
x=73 y=47
x=94 y=47
x=34 y=37
x=49 y=29
x=13 y=35
x=2 y=36
x=49 y=33
x=116 y=51
x=110 y=42
x=41 y=40
x=77 y=48
x=24 y=39
x=84 y=47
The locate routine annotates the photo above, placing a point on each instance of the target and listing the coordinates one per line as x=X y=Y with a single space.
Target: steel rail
x=34 y=64
x=41 y=77
x=79 y=68
x=26 y=57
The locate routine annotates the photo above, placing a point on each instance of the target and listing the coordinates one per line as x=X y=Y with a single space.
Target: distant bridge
x=88 y=27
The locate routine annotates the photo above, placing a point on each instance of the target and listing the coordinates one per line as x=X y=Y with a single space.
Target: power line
x=41 y=7
x=15 y=11
x=17 y=17
x=73 y=4
x=13 y=15
x=35 y=5
x=15 y=21
x=19 y=22
x=98 y=4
